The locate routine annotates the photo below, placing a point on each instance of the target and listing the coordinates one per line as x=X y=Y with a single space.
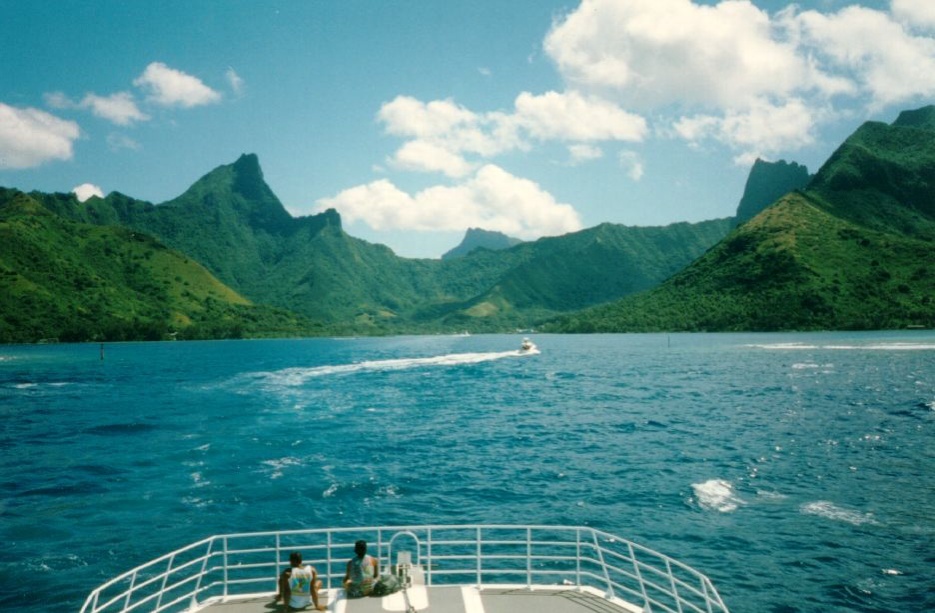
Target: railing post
x=600 y=556
x=529 y=558
x=675 y=591
x=278 y=554
x=478 y=537
x=328 y=561
x=578 y=558
x=639 y=576
x=126 y=602
x=226 y=563
x=204 y=565
x=428 y=560
x=165 y=579
x=704 y=589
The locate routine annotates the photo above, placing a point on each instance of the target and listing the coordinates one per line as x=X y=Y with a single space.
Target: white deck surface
x=449 y=599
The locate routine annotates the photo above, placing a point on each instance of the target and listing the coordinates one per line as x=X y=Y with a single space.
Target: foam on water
x=716 y=495
x=894 y=346
x=300 y=375
x=829 y=510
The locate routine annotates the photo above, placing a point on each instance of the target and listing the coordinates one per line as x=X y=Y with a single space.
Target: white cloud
x=724 y=69
x=170 y=87
x=651 y=53
x=86 y=190
x=58 y=100
x=233 y=79
x=426 y=156
x=117 y=141
x=492 y=199
x=448 y=125
x=407 y=116
x=761 y=131
x=30 y=137
x=120 y=108
x=887 y=63
x=916 y=13
x=442 y=133
x=632 y=164
x=584 y=153
x=572 y=116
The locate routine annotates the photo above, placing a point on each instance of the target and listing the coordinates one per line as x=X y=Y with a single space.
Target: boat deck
x=481 y=568
x=449 y=599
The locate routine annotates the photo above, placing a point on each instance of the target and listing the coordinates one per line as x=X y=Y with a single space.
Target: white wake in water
x=894 y=346
x=299 y=375
x=829 y=510
x=716 y=495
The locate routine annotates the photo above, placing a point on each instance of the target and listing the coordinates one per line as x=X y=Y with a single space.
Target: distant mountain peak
x=241 y=187
x=248 y=161
x=919 y=118
x=478 y=238
x=766 y=183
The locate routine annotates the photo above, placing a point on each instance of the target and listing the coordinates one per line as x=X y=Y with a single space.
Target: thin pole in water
x=102 y=351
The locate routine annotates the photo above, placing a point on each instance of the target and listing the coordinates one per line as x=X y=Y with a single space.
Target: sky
x=417 y=120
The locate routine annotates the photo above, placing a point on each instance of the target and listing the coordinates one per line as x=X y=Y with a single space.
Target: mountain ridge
x=73 y=281
x=230 y=220
x=851 y=251
x=478 y=238
x=847 y=250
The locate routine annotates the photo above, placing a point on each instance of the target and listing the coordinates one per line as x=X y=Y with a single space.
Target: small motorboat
x=527 y=345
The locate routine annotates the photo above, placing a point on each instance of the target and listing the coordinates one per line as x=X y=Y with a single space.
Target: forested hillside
x=231 y=222
x=853 y=251
x=70 y=281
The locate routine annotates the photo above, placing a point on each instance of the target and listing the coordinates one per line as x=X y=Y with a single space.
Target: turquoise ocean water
x=796 y=470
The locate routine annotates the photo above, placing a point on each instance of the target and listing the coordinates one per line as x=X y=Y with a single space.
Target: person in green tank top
x=362 y=572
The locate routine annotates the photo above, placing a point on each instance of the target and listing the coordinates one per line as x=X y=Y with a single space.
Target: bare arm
x=284 y=590
x=314 y=590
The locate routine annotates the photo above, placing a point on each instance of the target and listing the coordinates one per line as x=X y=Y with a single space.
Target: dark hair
x=360 y=548
x=295 y=558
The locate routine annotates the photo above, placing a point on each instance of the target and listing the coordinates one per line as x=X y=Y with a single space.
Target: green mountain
x=855 y=250
x=883 y=176
x=476 y=238
x=72 y=281
x=850 y=251
x=766 y=183
x=562 y=274
x=232 y=223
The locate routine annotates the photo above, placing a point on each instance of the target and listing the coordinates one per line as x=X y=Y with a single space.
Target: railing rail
x=232 y=565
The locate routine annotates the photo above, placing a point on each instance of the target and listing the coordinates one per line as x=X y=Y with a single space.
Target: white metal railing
x=233 y=565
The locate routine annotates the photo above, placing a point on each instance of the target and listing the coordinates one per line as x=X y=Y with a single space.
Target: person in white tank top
x=299 y=585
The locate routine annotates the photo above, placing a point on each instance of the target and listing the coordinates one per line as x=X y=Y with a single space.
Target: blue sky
x=419 y=119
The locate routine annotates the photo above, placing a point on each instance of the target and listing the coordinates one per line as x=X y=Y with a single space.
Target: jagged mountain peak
x=919 y=118
x=241 y=188
x=244 y=176
x=476 y=238
x=766 y=183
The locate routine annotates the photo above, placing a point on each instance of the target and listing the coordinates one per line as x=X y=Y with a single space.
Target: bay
x=796 y=470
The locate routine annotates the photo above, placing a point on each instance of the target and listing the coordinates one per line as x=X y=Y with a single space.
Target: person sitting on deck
x=299 y=585
x=362 y=572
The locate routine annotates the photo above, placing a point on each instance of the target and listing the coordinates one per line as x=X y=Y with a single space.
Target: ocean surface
x=796 y=470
